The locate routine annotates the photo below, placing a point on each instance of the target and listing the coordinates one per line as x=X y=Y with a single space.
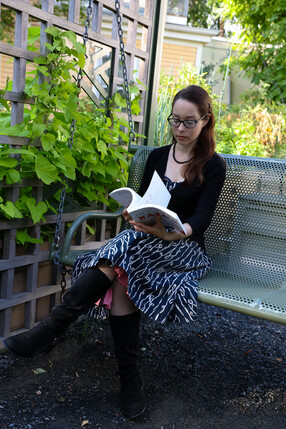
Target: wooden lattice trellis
x=29 y=282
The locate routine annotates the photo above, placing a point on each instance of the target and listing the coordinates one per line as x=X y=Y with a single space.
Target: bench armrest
x=82 y=218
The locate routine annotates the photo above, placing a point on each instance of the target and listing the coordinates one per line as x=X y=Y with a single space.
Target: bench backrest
x=247 y=236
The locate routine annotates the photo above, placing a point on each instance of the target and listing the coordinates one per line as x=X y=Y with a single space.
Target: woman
x=148 y=268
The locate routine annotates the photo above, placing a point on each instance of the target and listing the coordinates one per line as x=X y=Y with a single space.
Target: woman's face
x=186 y=110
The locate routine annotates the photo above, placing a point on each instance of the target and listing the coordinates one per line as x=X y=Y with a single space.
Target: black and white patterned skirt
x=162 y=275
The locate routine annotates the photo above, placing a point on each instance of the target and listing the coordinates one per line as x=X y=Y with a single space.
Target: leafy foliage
x=169 y=86
x=250 y=128
x=253 y=131
x=264 y=28
x=98 y=159
x=205 y=14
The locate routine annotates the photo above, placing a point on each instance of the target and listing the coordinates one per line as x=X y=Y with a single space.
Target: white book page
x=157 y=193
x=126 y=196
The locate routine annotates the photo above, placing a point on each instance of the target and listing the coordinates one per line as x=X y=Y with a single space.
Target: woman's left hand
x=158 y=229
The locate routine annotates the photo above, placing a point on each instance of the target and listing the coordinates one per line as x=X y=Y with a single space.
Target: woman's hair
x=205 y=147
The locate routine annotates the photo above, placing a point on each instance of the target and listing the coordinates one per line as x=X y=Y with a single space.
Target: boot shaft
x=125 y=333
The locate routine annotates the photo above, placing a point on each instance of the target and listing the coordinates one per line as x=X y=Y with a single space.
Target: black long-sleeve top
x=194 y=204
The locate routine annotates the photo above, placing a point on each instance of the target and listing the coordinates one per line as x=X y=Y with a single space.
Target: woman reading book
x=152 y=269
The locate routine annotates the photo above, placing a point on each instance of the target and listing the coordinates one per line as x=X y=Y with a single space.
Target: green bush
x=169 y=86
x=98 y=159
x=249 y=128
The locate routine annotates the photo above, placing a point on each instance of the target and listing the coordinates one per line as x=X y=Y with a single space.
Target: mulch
x=226 y=370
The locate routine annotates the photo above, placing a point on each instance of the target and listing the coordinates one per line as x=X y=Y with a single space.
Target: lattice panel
x=29 y=284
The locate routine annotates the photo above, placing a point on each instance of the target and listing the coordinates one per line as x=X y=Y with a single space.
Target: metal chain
x=124 y=70
x=56 y=240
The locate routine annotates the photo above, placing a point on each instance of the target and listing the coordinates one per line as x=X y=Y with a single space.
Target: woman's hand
x=158 y=229
x=126 y=216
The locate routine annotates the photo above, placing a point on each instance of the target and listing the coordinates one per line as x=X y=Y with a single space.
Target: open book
x=154 y=201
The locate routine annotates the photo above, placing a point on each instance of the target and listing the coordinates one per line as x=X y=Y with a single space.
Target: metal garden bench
x=246 y=239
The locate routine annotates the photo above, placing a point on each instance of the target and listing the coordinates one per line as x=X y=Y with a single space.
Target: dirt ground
x=227 y=370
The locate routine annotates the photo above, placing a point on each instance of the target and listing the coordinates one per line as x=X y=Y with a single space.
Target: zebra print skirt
x=162 y=275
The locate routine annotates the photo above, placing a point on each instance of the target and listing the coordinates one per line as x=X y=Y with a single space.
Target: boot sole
x=44 y=350
x=134 y=416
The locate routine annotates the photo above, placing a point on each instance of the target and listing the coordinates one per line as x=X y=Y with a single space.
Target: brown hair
x=205 y=147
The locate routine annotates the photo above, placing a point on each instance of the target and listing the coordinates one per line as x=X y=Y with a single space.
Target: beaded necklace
x=174 y=157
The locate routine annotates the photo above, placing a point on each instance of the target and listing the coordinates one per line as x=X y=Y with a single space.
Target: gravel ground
x=226 y=370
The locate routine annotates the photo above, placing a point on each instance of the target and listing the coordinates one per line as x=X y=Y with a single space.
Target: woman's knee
x=121 y=303
x=108 y=271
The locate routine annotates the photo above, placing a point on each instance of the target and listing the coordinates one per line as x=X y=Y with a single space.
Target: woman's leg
x=90 y=286
x=125 y=325
x=121 y=303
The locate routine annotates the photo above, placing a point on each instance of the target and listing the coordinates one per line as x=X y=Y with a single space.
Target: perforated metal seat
x=246 y=239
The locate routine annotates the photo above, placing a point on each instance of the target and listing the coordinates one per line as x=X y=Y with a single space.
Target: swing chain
x=56 y=239
x=124 y=71
x=64 y=272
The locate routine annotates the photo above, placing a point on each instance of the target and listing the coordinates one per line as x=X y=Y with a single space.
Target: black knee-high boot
x=125 y=332
x=91 y=285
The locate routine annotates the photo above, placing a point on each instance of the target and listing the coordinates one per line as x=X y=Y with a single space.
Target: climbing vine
x=98 y=160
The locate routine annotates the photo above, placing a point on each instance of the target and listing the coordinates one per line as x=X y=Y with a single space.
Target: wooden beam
x=128 y=13
x=15 y=51
x=23 y=260
x=18 y=97
x=18 y=141
x=21 y=298
x=78 y=29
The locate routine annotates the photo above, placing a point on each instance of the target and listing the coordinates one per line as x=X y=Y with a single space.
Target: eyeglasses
x=187 y=122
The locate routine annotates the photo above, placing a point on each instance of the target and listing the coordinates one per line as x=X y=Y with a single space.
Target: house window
x=177 y=11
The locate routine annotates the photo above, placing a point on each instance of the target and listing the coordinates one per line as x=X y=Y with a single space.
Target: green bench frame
x=246 y=239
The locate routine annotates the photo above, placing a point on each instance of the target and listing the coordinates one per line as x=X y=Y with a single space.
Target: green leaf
x=136 y=109
x=38 y=129
x=111 y=169
x=34 y=34
x=119 y=100
x=3 y=102
x=124 y=122
x=90 y=229
x=17 y=130
x=37 y=210
x=54 y=31
x=12 y=176
x=11 y=210
x=39 y=371
x=102 y=147
x=48 y=141
x=49 y=46
x=22 y=152
x=86 y=169
x=45 y=171
x=44 y=70
x=50 y=207
x=40 y=60
x=41 y=89
x=23 y=237
x=81 y=61
x=70 y=35
x=8 y=162
x=100 y=168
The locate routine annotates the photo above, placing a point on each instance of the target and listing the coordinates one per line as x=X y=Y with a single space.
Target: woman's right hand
x=126 y=216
